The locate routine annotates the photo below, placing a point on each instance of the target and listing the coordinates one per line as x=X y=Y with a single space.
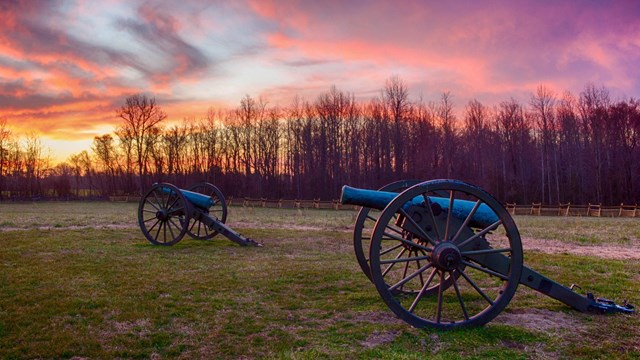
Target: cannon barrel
x=199 y=200
x=483 y=216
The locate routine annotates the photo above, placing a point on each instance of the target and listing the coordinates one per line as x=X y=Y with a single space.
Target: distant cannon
x=166 y=214
x=446 y=254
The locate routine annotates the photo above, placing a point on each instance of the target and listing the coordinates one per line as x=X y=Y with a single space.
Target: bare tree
x=141 y=115
x=476 y=137
x=34 y=162
x=104 y=149
x=396 y=100
x=5 y=138
x=543 y=106
x=447 y=124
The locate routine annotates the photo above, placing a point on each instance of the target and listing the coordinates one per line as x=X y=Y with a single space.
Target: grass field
x=79 y=280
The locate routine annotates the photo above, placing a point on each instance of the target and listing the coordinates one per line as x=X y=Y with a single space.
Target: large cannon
x=166 y=214
x=446 y=254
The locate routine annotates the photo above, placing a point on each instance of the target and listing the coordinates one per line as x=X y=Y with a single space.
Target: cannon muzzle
x=367 y=198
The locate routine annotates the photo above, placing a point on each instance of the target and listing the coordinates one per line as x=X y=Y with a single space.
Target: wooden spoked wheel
x=199 y=230
x=466 y=238
x=163 y=214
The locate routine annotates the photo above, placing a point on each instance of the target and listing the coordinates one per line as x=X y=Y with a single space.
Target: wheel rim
x=476 y=248
x=163 y=214
x=199 y=230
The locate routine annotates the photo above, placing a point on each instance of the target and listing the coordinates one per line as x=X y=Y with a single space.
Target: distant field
x=79 y=280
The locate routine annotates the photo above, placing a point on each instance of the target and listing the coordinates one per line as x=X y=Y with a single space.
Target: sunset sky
x=66 y=66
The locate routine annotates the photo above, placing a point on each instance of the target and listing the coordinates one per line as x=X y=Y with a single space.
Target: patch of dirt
x=71 y=227
x=539 y=320
x=139 y=327
x=380 y=338
x=607 y=251
x=376 y=317
x=253 y=225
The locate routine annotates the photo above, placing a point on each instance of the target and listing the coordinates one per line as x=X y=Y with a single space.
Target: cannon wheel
x=447 y=247
x=365 y=220
x=199 y=230
x=163 y=214
x=363 y=229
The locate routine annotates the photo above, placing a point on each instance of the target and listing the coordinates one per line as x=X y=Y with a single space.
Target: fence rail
x=595 y=210
x=535 y=209
x=291 y=203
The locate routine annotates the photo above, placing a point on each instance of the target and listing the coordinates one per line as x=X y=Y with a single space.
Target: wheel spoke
x=431 y=216
x=390 y=249
x=408 y=242
x=160 y=203
x=371 y=218
x=165 y=230
x=158 y=232
x=173 y=236
x=421 y=231
x=411 y=276
x=483 y=269
x=397 y=231
x=152 y=204
x=440 y=292
x=192 y=225
x=391 y=265
x=481 y=233
x=466 y=221
x=173 y=203
x=486 y=251
x=449 y=212
x=422 y=291
x=154 y=225
x=407 y=259
x=406 y=266
x=475 y=286
x=455 y=286
x=418 y=263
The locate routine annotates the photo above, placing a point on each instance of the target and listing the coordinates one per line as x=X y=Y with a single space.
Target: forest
x=553 y=148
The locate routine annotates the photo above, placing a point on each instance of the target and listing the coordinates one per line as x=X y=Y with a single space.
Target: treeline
x=556 y=148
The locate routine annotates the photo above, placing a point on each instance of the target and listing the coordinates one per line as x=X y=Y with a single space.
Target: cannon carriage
x=446 y=254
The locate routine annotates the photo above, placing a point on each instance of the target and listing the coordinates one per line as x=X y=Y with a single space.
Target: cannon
x=166 y=214
x=446 y=254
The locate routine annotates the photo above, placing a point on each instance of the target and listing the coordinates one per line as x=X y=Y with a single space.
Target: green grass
x=581 y=230
x=80 y=280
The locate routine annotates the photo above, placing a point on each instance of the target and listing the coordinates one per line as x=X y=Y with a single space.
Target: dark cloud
x=306 y=62
x=158 y=30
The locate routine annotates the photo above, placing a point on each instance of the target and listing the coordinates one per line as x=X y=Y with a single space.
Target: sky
x=66 y=66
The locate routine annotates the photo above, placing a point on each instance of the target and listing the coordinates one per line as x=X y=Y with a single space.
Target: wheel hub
x=162 y=215
x=446 y=256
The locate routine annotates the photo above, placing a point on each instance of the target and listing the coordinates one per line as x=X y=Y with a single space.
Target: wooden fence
x=596 y=210
x=291 y=204
x=536 y=209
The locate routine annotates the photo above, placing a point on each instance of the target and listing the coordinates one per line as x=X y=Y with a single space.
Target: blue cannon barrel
x=197 y=199
x=484 y=215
